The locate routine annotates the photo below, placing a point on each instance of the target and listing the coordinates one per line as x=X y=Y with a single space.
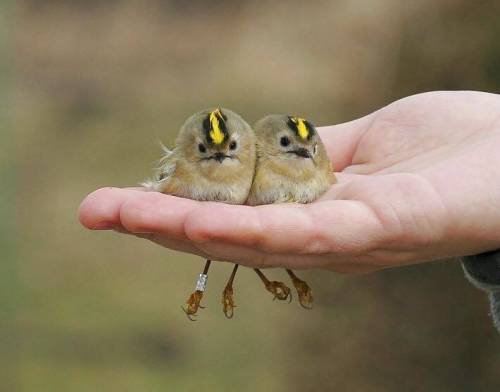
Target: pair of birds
x=218 y=156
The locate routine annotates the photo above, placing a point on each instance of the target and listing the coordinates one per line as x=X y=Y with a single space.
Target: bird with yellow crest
x=292 y=167
x=213 y=160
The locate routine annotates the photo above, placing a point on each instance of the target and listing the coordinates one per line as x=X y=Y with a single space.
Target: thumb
x=341 y=140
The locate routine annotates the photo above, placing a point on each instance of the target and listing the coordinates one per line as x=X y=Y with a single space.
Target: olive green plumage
x=292 y=163
x=213 y=159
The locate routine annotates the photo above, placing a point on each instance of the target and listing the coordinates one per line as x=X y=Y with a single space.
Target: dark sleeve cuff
x=483 y=271
x=495 y=308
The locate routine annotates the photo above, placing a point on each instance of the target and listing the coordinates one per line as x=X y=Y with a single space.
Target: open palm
x=418 y=180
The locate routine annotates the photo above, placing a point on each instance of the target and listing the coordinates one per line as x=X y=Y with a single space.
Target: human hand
x=418 y=180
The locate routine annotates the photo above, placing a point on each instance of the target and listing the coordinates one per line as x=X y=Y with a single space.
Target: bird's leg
x=227 y=295
x=193 y=302
x=278 y=289
x=303 y=290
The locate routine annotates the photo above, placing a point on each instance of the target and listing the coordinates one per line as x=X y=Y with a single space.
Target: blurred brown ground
x=93 y=86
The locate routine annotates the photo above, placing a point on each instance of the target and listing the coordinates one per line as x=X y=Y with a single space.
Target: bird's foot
x=192 y=304
x=280 y=290
x=228 y=301
x=304 y=293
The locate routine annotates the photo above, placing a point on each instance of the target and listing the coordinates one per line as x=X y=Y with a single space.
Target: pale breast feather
x=285 y=190
x=231 y=194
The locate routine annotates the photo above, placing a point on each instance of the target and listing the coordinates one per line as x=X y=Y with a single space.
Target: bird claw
x=192 y=304
x=279 y=290
x=304 y=292
x=228 y=302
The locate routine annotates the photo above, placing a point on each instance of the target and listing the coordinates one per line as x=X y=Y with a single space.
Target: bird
x=292 y=167
x=213 y=160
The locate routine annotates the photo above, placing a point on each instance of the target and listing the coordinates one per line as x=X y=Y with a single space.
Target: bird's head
x=217 y=140
x=290 y=140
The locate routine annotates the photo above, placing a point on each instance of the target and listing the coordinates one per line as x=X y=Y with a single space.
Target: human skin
x=418 y=180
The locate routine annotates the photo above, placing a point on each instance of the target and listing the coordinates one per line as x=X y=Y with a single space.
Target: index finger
x=333 y=226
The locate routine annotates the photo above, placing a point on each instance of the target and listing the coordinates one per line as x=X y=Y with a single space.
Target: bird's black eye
x=202 y=148
x=284 y=141
x=232 y=145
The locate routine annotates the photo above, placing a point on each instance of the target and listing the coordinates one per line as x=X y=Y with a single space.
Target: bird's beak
x=302 y=152
x=219 y=157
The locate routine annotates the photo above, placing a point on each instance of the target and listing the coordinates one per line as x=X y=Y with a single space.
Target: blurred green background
x=88 y=89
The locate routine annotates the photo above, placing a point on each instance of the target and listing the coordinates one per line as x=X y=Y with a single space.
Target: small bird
x=213 y=160
x=292 y=166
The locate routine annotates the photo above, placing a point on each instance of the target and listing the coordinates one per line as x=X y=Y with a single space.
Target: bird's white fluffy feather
x=164 y=170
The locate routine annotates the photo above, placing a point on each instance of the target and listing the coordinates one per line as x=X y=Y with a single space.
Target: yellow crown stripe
x=301 y=127
x=216 y=133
